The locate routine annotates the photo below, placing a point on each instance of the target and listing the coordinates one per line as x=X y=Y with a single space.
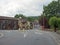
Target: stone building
x=22 y=24
x=8 y=23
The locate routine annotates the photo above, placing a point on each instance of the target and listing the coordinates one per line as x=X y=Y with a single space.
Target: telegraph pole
x=58 y=7
x=43 y=21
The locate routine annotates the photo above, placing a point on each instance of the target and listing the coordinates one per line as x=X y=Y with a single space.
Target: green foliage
x=59 y=23
x=16 y=16
x=19 y=15
x=52 y=9
x=51 y=12
x=32 y=18
x=53 y=22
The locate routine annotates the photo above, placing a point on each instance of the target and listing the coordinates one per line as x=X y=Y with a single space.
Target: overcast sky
x=26 y=7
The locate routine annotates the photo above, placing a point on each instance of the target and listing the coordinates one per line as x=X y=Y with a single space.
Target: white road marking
x=1 y=35
x=25 y=35
x=38 y=33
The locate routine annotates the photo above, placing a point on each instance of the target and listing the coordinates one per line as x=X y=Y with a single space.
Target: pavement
x=28 y=37
x=56 y=36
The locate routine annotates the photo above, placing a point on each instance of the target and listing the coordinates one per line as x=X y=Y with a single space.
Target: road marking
x=1 y=35
x=38 y=33
x=24 y=35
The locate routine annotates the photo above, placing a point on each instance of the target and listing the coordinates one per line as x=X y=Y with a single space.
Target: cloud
x=26 y=7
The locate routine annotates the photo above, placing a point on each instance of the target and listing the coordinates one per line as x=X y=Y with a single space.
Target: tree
x=52 y=9
x=30 y=19
x=43 y=21
x=19 y=15
x=16 y=16
x=53 y=23
x=59 y=23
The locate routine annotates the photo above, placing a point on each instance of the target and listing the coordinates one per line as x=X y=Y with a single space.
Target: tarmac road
x=32 y=37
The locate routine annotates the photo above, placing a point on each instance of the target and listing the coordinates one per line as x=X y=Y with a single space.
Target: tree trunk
x=54 y=29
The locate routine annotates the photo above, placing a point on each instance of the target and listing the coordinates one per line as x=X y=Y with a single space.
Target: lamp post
x=58 y=7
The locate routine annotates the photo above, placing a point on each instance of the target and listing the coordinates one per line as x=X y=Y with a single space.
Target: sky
x=26 y=7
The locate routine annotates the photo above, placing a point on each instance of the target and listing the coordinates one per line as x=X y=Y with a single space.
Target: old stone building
x=8 y=23
x=24 y=24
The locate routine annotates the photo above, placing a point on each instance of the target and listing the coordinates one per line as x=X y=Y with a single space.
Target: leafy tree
x=30 y=19
x=43 y=21
x=19 y=15
x=59 y=23
x=16 y=16
x=53 y=23
x=52 y=9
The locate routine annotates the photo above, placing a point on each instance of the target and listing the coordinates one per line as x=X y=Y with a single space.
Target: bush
x=58 y=23
x=53 y=22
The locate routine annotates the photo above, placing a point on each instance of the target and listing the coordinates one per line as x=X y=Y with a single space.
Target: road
x=32 y=37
